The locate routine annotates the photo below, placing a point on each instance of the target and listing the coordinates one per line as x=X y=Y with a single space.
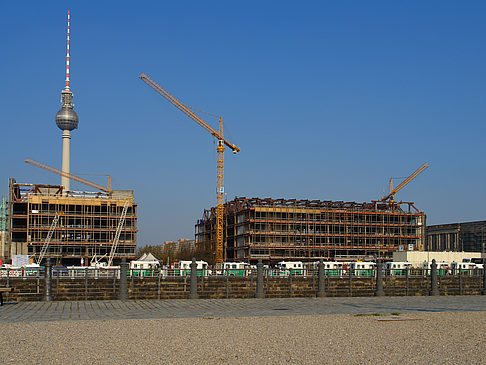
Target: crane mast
x=222 y=142
x=220 y=196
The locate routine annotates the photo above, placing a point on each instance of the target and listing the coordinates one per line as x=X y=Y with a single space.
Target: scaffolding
x=3 y=228
x=280 y=229
x=87 y=226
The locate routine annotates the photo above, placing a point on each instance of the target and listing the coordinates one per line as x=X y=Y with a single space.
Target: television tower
x=67 y=120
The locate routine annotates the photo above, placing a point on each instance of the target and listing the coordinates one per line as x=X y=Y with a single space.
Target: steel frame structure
x=282 y=229
x=87 y=226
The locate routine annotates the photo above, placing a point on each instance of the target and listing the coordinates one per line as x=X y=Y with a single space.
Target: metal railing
x=94 y=283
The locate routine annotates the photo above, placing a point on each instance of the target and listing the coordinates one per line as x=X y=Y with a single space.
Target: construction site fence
x=114 y=272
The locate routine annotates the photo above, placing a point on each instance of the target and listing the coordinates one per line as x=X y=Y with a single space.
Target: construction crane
x=118 y=231
x=393 y=191
x=48 y=238
x=71 y=176
x=107 y=175
x=220 y=157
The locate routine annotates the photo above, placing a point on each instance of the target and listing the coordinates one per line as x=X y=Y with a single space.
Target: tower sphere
x=67 y=119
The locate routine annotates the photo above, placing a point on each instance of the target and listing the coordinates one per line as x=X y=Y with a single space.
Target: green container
x=234 y=272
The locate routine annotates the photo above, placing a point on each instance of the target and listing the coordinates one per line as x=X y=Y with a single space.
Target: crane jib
x=406 y=181
x=186 y=110
x=68 y=175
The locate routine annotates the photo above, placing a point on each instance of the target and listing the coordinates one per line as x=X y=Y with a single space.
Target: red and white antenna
x=67 y=55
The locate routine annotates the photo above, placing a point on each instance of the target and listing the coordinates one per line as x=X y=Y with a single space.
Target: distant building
x=417 y=258
x=174 y=248
x=170 y=248
x=466 y=236
x=186 y=244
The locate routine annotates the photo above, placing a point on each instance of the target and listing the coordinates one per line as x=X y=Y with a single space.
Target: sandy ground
x=418 y=338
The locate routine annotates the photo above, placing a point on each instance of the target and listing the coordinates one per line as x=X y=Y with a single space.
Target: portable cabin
x=183 y=268
x=31 y=270
x=464 y=268
x=397 y=268
x=346 y=266
x=362 y=268
x=331 y=268
x=236 y=268
x=292 y=267
x=442 y=267
x=10 y=271
x=81 y=271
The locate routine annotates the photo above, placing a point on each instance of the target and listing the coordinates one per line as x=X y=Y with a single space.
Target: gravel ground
x=422 y=338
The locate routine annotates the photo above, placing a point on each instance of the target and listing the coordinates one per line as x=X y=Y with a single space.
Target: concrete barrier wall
x=31 y=289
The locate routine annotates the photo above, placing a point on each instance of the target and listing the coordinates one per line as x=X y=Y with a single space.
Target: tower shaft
x=66 y=157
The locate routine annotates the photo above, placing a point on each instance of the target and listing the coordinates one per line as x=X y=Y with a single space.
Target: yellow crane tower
x=220 y=161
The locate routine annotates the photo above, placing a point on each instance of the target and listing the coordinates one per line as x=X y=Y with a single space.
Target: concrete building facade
x=466 y=236
x=417 y=258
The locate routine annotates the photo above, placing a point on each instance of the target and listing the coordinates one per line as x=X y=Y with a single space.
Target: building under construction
x=70 y=226
x=86 y=228
x=280 y=229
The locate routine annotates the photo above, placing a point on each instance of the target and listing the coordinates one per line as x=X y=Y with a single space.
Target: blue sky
x=327 y=100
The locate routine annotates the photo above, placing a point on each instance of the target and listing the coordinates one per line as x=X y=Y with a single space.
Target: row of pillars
x=123 y=294
x=193 y=281
x=379 y=290
x=260 y=293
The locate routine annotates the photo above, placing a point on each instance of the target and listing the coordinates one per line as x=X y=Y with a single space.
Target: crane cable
x=202 y=111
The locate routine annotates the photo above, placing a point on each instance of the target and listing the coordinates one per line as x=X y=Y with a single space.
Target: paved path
x=209 y=308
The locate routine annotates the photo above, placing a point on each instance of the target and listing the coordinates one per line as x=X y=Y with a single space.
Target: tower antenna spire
x=67 y=54
x=66 y=119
